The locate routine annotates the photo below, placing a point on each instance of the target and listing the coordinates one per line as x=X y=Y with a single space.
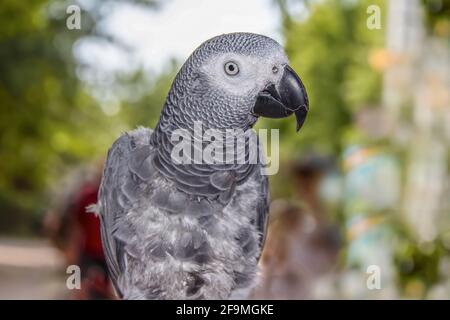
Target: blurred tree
x=329 y=44
x=437 y=15
x=49 y=121
x=330 y=47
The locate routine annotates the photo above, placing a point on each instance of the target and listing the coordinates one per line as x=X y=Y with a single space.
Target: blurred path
x=30 y=269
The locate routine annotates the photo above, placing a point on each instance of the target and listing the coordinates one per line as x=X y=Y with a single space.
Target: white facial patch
x=255 y=72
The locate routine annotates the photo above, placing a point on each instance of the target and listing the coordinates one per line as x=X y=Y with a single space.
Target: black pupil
x=231 y=67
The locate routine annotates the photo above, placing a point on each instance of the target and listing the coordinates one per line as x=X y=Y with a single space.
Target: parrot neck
x=233 y=164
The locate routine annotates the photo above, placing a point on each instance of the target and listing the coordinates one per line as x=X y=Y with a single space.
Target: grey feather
x=174 y=231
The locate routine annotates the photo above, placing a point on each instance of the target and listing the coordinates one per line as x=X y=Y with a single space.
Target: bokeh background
x=364 y=185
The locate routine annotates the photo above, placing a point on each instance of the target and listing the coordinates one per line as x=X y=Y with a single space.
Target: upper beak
x=281 y=100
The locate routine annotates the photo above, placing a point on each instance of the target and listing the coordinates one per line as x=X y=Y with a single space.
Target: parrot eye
x=275 y=69
x=231 y=68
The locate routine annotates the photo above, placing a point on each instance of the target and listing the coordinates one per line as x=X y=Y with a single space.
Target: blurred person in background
x=302 y=244
x=77 y=233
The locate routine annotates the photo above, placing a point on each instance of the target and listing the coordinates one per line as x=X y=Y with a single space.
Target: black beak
x=284 y=99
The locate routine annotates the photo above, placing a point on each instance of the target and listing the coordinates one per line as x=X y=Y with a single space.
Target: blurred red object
x=77 y=233
x=91 y=243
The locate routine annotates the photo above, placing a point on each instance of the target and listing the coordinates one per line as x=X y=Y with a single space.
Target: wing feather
x=125 y=168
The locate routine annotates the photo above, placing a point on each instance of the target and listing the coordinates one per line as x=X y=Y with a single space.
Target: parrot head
x=232 y=79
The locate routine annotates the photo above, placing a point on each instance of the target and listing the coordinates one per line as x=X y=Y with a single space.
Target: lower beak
x=281 y=100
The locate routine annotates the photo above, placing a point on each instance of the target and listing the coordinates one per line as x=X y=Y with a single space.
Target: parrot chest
x=184 y=256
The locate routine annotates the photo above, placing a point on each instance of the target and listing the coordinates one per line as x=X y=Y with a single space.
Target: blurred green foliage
x=330 y=49
x=437 y=14
x=45 y=112
x=49 y=122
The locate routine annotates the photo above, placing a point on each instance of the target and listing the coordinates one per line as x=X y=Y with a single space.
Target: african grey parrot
x=173 y=230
